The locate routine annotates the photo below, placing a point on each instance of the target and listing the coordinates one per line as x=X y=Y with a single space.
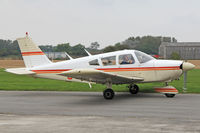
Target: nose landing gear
x=169 y=91
x=169 y=95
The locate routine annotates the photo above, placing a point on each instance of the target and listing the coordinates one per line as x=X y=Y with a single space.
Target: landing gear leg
x=109 y=93
x=169 y=95
x=133 y=89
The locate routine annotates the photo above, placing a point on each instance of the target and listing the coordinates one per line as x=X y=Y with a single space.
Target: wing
x=93 y=75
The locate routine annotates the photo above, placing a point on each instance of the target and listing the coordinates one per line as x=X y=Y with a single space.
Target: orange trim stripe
x=50 y=71
x=113 y=69
x=32 y=53
x=139 y=69
x=166 y=90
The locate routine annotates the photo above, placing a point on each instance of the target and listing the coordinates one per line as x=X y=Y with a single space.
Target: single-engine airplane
x=120 y=67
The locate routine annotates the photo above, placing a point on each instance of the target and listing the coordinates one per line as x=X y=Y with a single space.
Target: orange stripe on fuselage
x=32 y=53
x=138 y=69
x=112 y=69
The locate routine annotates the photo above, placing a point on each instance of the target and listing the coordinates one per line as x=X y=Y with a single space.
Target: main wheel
x=170 y=95
x=133 y=89
x=108 y=94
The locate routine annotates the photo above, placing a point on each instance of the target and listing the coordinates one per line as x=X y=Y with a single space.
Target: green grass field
x=10 y=81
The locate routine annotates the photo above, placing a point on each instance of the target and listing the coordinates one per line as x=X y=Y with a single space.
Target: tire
x=133 y=89
x=170 y=95
x=108 y=94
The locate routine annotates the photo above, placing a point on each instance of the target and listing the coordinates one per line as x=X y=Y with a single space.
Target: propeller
x=186 y=66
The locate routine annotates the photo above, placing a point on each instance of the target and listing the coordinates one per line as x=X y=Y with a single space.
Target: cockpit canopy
x=121 y=59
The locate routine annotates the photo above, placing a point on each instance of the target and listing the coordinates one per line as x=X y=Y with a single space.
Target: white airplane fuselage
x=151 y=71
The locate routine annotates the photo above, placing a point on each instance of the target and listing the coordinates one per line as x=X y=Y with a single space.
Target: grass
x=10 y=81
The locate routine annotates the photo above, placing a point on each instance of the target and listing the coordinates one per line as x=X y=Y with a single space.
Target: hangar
x=186 y=50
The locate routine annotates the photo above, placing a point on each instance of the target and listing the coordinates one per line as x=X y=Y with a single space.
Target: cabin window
x=142 y=57
x=94 y=62
x=111 y=60
x=126 y=59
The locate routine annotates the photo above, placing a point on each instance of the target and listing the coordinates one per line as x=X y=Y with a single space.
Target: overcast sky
x=104 y=21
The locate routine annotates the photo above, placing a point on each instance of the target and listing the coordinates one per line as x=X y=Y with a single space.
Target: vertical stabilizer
x=31 y=53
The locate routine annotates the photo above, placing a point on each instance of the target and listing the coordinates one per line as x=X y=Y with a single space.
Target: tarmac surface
x=61 y=112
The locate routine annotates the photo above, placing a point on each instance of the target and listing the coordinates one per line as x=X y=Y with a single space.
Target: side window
x=126 y=59
x=94 y=62
x=111 y=60
x=142 y=57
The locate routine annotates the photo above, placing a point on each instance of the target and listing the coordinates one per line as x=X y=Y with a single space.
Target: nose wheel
x=133 y=89
x=169 y=95
x=108 y=94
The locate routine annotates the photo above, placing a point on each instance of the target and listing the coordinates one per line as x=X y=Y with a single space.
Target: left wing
x=93 y=75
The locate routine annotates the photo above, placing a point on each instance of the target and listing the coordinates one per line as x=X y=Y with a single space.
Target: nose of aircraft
x=187 y=66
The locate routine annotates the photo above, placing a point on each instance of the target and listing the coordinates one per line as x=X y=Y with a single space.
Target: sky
x=105 y=21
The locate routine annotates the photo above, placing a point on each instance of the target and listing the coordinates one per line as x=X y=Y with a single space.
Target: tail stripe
x=32 y=53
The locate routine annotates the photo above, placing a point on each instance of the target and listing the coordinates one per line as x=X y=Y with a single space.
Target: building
x=186 y=50
x=55 y=55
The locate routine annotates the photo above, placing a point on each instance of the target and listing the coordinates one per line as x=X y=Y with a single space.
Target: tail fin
x=31 y=53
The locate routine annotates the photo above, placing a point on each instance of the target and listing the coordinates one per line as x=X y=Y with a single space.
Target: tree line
x=147 y=44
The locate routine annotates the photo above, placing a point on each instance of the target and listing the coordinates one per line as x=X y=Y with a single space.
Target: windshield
x=142 y=57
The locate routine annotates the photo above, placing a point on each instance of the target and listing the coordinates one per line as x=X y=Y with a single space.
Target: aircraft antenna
x=68 y=56
x=87 y=52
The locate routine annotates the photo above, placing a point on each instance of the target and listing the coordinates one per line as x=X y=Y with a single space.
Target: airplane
x=120 y=67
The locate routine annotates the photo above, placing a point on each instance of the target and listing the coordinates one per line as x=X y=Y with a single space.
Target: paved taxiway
x=88 y=112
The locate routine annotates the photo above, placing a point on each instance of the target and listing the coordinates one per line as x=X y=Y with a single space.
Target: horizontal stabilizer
x=21 y=71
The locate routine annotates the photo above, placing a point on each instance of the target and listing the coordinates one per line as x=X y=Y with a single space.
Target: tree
x=166 y=39
x=94 y=45
x=174 y=40
x=63 y=47
x=78 y=50
x=109 y=49
x=47 y=48
x=175 y=56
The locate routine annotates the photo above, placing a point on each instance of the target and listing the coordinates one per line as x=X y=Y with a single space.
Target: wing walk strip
x=112 y=69
x=32 y=53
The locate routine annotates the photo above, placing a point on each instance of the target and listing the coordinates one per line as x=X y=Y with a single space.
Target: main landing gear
x=133 y=89
x=109 y=93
